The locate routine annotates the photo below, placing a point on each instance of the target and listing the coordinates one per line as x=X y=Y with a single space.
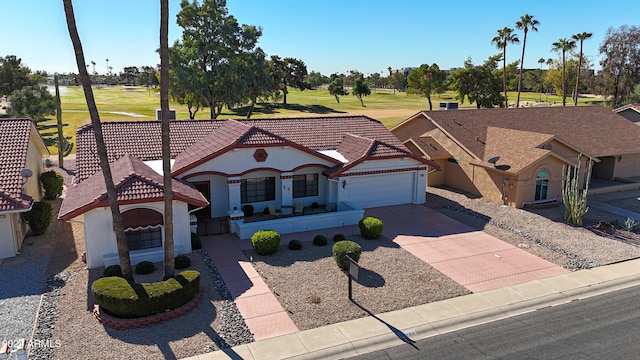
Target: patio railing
x=346 y=214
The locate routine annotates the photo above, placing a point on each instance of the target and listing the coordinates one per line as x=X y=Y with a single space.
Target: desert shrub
x=320 y=240
x=247 y=210
x=295 y=245
x=314 y=205
x=370 y=227
x=182 y=262
x=145 y=267
x=52 y=184
x=125 y=299
x=340 y=251
x=265 y=211
x=113 y=270
x=630 y=225
x=338 y=237
x=265 y=242
x=196 y=243
x=39 y=217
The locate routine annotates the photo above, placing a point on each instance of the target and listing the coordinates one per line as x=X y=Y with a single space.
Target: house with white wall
x=344 y=163
x=21 y=153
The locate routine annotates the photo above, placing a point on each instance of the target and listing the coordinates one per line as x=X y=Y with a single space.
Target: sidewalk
x=377 y=332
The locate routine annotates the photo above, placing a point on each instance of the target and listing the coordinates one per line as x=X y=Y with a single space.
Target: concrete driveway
x=472 y=258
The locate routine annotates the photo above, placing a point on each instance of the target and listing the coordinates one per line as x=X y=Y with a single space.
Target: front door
x=205 y=188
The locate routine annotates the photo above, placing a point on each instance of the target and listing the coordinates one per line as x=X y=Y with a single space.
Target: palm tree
x=94 y=67
x=118 y=228
x=549 y=62
x=525 y=23
x=579 y=37
x=541 y=61
x=505 y=36
x=169 y=257
x=563 y=45
x=108 y=71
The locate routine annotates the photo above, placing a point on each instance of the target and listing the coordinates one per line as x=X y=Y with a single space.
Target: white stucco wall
x=7 y=245
x=101 y=240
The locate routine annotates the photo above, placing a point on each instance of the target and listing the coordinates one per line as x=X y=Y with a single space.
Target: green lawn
x=387 y=106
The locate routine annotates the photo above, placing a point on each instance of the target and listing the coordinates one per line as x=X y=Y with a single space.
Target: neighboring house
x=21 y=147
x=344 y=163
x=516 y=156
x=630 y=112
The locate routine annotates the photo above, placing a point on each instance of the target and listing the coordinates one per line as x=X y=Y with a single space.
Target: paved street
x=601 y=327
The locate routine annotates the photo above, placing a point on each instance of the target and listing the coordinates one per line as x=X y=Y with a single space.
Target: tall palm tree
x=549 y=62
x=108 y=71
x=541 y=61
x=118 y=228
x=94 y=67
x=563 y=45
x=169 y=257
x=505 y=36
x=579 y=37
x=525 y=23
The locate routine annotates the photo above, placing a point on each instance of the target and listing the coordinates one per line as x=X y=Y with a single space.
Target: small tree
x=39 y=217
x=336 y=88
x=573 y=197
x=52 y=184
x=360 y=89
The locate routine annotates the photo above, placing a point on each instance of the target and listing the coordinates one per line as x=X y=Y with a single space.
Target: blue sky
x=328 y=35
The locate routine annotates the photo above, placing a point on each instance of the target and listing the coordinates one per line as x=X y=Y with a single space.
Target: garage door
x=381 y=190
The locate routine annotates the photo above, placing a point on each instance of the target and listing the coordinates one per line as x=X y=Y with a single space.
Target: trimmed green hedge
x=39 y=217
x=344 y=247
x=113 y=270
x=52 y=184
x=145 y=267
x=295 y=245
x=125 y=299
x=370 y=227
x=339 y=237
x=182 y=262
x=266 y=242
x=320 y=240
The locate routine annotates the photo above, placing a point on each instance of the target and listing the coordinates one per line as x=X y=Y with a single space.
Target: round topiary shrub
x=145 y=267
x=265 y=242
x=370 y=227
x=182 y=262
x=338 y=237
x=52 y=184
x=196 y=244
x=320 y=240
x=247 y=210
x=39 y=217
x=113 y=270
x=295 y=245
x=344 y=247
x=125 y=299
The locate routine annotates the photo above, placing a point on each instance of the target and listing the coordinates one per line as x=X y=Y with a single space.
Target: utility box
x=172 y=114
x=448 y=106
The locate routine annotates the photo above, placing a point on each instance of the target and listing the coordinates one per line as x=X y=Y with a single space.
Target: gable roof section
x=590 y=129
x=357 y=149
x=430 y=147
x=634 y=107
x=14 y=145
x=232 y=134
x=142 y=138
x=135 y=182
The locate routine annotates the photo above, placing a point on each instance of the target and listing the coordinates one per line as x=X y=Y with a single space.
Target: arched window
x=542 y=184
x=143 y=228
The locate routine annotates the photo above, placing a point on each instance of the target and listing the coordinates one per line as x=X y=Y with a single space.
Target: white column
x=234 y=193
x=286 y=179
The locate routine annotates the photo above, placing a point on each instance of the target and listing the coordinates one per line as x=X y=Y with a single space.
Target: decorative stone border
x=124 y=324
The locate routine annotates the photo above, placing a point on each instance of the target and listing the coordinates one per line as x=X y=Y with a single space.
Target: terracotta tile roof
x=134 y=181
x=229 y=134
x=591 y=129
x=430 y=147
x=142 y=138
x=14 y=143
x=357 y=149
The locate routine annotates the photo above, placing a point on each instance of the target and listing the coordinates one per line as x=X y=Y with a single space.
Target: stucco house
x=516 y=156
x=21 y=147
x=342 y=163
x=631 y=112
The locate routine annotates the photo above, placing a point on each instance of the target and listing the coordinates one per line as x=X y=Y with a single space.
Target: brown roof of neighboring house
x=142 y=138
x=14 y=144
x=430 y=147
x=591 y=129
x=135 y=182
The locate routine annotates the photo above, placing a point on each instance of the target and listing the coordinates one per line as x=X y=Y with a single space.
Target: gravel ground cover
x=314 y=291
